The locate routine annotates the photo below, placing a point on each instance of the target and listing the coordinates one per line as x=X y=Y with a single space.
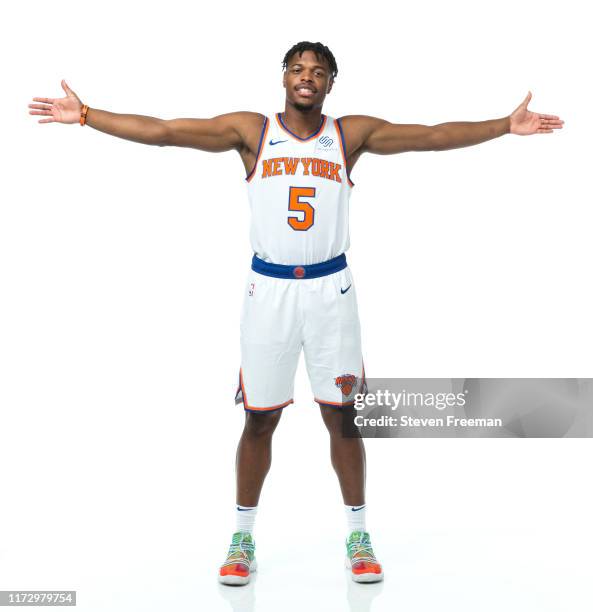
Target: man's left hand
x=525 y=122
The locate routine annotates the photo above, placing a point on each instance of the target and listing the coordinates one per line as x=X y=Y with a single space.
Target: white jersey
x=299 y=192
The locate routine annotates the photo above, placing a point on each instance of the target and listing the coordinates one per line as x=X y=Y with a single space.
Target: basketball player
x=299 y=293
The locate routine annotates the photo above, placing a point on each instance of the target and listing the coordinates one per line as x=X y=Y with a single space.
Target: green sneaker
x=360 y=558
x=240 y=561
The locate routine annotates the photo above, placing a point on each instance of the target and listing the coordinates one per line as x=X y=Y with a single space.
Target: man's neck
x=301 y=123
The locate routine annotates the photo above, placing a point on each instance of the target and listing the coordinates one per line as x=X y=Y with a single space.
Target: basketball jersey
x=299 y=192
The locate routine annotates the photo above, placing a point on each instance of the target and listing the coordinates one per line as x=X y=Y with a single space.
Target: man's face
x=307 y=80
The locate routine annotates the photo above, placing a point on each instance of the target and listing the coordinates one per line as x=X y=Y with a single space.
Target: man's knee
x=261 y=423
x=336 y=418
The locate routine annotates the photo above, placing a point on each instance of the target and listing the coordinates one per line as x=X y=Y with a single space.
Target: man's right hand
x=62 y=110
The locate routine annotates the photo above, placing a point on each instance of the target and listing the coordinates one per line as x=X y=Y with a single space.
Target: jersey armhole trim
x=262 y=138
x=342 y=140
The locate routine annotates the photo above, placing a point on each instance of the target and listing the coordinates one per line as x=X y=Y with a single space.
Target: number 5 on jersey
x=298 y=222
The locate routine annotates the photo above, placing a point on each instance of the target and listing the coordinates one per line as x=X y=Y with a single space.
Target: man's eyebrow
x=314 y=65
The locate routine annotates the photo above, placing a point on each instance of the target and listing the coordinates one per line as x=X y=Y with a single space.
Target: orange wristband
x=83 y=112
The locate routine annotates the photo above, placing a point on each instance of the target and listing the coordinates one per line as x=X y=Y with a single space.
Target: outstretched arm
x=372 y=135
x=221 y=133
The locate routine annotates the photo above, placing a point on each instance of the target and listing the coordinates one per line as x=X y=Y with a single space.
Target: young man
x=300 y=291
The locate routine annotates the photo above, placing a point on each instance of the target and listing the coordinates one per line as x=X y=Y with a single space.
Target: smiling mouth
x=305 y=93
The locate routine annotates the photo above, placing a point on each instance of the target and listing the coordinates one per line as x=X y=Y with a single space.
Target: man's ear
x=331 y=84
x=284 y=79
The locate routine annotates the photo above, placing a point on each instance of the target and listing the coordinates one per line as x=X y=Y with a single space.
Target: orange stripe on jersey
x=260 y=148
x=339 y=133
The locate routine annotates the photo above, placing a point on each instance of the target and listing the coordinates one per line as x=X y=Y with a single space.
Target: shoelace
x=239 y=553
x=361 y=551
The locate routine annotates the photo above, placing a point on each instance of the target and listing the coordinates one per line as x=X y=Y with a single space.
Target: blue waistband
x=311 y=271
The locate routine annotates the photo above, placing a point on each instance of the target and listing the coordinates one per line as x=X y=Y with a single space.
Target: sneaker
x=360 y=558
x=240 y=561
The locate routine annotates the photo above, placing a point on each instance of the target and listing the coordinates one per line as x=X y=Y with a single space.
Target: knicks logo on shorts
x=346 y=382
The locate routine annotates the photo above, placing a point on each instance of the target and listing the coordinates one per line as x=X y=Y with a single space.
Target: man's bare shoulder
x=358 y=119
x=357 y=129
x=244 y=119
x=248 y=124
x=360 y=123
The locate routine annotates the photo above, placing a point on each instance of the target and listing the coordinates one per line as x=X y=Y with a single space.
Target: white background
x=122 y=268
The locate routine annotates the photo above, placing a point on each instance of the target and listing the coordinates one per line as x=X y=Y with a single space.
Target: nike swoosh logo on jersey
x=357 y=509
x=277 y=142
x=344 y=290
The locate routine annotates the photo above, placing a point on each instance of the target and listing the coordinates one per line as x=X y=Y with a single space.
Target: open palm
x=525 y=122
x=61 y=110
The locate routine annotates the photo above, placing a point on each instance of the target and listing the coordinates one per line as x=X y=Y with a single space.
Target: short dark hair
x=318 y=48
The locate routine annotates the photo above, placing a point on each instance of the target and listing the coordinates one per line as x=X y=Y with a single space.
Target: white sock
x=356 y=518
x=245 y=518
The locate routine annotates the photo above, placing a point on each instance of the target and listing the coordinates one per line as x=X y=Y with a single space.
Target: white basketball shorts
x=281 y=316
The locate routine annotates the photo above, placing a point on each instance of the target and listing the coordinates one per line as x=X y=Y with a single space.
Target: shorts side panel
x=271 y=342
